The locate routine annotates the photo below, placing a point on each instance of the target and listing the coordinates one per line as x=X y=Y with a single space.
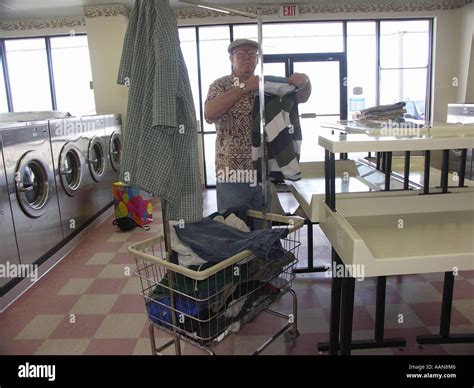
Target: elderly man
x=229 y=105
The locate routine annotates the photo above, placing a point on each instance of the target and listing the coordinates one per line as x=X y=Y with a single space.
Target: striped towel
x=283 y=137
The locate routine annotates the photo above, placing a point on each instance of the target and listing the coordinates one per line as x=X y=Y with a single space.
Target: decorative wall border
x=105 y=10
x=39 y=24
x=328 y=7
x=63 y=22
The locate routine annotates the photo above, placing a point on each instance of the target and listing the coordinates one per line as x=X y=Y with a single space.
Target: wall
x=105 y=36
x=466 y=57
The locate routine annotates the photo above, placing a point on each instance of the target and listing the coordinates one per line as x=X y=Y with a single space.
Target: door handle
x=308 y=115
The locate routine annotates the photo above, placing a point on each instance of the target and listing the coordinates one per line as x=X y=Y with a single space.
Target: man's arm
x=217 y=107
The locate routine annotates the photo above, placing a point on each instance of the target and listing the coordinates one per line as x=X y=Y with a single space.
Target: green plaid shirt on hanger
x=160 y=141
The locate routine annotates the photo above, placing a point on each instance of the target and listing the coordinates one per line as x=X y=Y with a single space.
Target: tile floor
x=90 y=304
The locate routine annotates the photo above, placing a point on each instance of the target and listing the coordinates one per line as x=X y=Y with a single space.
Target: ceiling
x=27 y=9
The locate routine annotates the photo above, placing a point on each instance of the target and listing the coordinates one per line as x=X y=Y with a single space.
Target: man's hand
x=299 y=80
x=302 y=82
x=252 y=84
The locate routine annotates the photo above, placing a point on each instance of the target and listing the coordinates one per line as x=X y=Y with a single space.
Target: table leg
x=444 y=337
x=426 y=179
x=406 y=177
x=347 y=313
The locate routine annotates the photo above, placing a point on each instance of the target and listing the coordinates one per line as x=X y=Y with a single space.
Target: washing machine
x=68 y=145
x=113 y=145
x=9 y=250
x=94 y=150
x=31 y=188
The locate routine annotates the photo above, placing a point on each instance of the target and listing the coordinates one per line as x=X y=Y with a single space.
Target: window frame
x=49 y=59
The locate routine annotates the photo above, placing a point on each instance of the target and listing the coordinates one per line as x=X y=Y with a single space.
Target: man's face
x=244 y=59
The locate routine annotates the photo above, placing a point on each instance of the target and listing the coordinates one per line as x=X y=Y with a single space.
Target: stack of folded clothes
x=393 y=112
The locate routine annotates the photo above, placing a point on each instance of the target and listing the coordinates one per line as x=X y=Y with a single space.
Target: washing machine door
x=32 y=178
x=70 y=169
x=96 y=158
x=115 y=150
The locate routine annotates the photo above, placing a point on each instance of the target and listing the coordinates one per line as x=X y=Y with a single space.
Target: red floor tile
x=467 y=274
x=430 y=312
x=368 y=295
x=20 y=347
x=106 y=286
x=81 y=271
x=264 y=324
x=463 y=289
x=84 y=326
x=128 y=304
x=122 y=258
x=307 y=298
x=111 y=347
x=52 y=304
x=140 y=236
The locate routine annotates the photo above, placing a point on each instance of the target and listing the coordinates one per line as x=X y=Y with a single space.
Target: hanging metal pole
x=261 y=92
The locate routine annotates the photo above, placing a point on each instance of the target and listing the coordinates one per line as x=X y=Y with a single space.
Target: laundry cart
x=203 y=305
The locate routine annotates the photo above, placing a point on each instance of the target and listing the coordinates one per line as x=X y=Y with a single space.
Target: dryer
x=9 y=250
x=68 y=145
x=31 y=188
x=94 y=151
x=113 y=146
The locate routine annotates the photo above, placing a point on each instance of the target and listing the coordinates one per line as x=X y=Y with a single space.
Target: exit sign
x=288 y=10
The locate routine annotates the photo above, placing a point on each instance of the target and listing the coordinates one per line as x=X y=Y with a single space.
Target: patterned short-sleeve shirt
x=234 y=128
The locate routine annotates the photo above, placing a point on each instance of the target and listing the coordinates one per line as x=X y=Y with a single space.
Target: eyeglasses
x=244 y=53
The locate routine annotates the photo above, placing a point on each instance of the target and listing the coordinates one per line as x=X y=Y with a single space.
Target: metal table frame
x=343 y=289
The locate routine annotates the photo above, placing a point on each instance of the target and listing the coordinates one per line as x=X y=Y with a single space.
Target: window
x=187 y=36
x=28 y=73
x=72 y=74
x=404 y=60
x=361 y=66
x=3 y=91
x=288 y=38
x=402 y=75
x=284 y=38
x=214 y=59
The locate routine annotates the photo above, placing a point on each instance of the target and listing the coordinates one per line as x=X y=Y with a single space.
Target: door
x=328 y=101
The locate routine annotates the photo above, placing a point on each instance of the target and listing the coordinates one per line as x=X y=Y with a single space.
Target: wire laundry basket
x=203 y=305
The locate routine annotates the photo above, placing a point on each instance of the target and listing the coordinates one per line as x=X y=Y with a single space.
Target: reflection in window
x=3 y=90
x=288 y=38
x=404 y=58
x=72 y=75
x=29 y=76
x=215 y=63
x=361 y=66
x=303 y=38
x=210 y=158
x=187 y=37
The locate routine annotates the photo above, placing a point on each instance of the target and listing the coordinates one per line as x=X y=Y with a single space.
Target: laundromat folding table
x=396 y=234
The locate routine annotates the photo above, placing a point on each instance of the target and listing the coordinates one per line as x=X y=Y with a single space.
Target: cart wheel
x=290 y=339
x=290 y=343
